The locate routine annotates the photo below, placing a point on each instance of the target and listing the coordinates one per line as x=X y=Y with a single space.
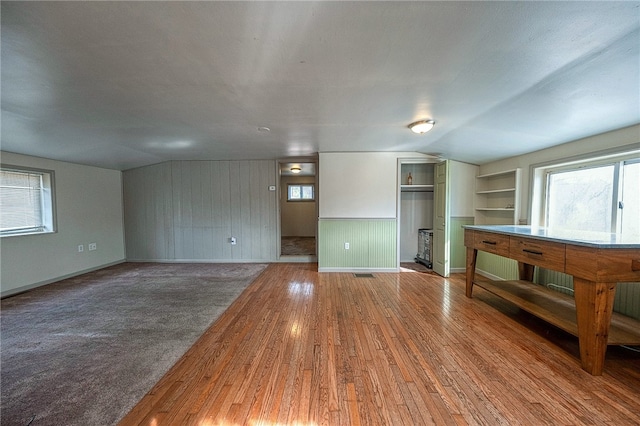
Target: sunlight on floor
x=304 y=289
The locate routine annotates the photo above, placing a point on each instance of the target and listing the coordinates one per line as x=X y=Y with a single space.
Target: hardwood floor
x=304 y=348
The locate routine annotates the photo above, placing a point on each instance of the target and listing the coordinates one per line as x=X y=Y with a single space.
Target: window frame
x=47 y=200
x=615 y=195
x=301 y=185
x=540 y=181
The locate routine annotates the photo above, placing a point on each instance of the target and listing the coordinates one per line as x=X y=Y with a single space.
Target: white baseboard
x=488 y=275
x=24 y=288
x=199 y=260
x=360 y=270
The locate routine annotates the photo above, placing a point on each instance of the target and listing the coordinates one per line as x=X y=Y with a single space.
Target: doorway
x=298 y=209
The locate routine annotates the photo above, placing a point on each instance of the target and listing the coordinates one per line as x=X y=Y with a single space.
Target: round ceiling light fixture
x=422 y=126
x=296 y=169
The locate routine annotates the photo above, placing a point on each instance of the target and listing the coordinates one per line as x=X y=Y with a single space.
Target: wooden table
x=597 y=262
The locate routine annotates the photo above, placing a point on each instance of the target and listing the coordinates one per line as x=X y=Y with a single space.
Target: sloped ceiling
x=126 y=84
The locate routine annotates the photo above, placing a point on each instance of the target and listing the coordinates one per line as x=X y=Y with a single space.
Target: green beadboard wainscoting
x=497 y=267
x=372 y=244
x=458 y=252
x=627 y=300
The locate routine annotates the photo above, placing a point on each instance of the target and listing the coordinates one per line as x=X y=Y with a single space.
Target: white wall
x=359 y=184
x=629 y=136
x=88 y=210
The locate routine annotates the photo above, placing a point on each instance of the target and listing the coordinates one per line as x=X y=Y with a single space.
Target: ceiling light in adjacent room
x=296 y=169
x=422 y=126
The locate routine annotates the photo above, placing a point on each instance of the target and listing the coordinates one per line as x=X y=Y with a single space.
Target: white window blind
x=25 y=202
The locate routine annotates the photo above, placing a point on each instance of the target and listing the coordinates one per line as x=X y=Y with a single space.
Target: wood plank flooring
x=302 y=348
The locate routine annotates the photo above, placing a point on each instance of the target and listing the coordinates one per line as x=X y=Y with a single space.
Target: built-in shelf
x=497 y=198
x=416 y=188
x=495 y=191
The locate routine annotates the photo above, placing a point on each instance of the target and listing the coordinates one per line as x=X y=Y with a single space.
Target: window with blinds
x=26 y=201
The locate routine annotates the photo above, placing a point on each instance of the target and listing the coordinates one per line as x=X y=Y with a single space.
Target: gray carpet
x=85 y=350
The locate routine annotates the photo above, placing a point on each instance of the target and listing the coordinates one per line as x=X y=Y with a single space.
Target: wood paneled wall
x=188 y=210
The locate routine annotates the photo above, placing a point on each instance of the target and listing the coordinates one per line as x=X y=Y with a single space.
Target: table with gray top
x=597 y=261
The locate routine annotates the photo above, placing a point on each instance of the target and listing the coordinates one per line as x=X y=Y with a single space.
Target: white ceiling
x=126 y=84
x=306 y=169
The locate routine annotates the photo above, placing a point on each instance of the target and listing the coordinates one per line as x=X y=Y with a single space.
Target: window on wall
x=300 y=192
x=26 y=201
x=598 y=195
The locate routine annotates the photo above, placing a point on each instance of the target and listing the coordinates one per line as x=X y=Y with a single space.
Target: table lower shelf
x=559 y=309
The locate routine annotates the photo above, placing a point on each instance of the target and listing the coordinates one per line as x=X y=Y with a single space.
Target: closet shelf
x=416 y=188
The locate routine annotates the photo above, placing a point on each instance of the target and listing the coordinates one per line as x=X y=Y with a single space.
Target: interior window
x=300 y=192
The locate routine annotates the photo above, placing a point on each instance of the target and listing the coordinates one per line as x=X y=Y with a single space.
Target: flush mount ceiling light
x=296 y=169
x=422 y=126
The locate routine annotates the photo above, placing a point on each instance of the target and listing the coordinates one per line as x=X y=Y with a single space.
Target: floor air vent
x=363 y=275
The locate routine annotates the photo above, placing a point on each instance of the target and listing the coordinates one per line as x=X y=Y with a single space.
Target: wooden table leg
x=594 y=305
x=472 y=255
x=525 y=271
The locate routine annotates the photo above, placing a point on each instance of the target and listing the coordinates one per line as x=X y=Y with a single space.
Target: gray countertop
x=582 y=238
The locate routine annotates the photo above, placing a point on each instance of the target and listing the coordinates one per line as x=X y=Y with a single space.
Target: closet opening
x=298 y=207
x=415 y=214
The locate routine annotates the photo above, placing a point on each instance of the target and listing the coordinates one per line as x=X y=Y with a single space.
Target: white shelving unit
x=497 y=198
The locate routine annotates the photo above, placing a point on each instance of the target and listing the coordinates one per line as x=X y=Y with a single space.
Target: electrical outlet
x=80 y=248
x=232 y=240
x=92 y=246
x=346 y=246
